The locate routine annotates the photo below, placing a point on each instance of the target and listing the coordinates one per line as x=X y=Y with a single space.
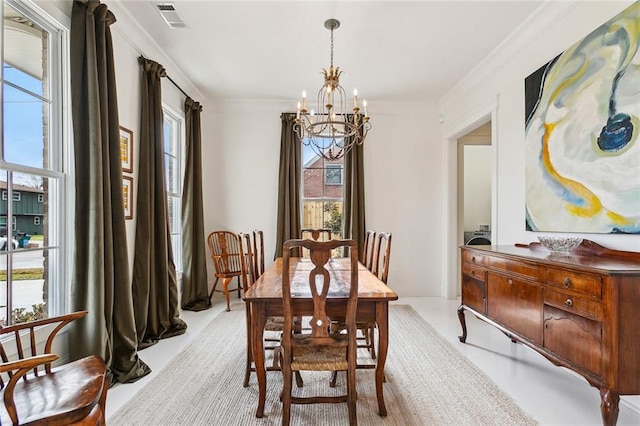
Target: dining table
x=265 y=299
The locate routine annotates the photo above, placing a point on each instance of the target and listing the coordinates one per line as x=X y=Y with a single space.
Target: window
x=322 y=193
x=15 y=197
x=333 y=174
x=32 y=170
x=173 y=145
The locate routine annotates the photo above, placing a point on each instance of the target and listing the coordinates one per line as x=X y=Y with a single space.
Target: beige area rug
x=428 y=383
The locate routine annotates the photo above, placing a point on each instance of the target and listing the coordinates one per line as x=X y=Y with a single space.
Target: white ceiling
x=388 y=50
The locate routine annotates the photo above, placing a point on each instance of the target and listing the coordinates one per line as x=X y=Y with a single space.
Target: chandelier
x=332 y=130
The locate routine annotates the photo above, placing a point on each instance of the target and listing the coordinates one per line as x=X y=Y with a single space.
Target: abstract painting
x=582 y=134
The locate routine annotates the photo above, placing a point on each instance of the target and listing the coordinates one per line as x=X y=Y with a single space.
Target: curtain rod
x=171 y=80
x=178 y=87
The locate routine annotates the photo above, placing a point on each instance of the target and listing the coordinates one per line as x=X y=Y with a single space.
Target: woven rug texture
x=428 y=382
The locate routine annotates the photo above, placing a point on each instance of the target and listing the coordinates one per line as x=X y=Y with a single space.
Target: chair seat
x=274 y=324
x=313 y=357
x=67 y=395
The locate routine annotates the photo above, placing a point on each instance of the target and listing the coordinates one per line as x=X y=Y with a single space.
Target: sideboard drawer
x=589 y=285
x=517 y=267
x=474 y=272
x=473 y=258
x=578 y=305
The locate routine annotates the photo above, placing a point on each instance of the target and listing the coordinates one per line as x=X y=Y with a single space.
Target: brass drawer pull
x=510 y=281
x=473 y=259
x=569 y=303
x=567 y=282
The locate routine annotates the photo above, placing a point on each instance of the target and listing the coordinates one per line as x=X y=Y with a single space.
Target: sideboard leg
x=463 y=323
x=609 y=406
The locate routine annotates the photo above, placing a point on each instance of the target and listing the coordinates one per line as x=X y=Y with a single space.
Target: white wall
x=477 y=186
x=500 y=79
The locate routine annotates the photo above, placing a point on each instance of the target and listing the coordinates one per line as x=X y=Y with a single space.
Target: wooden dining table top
x=269 y=285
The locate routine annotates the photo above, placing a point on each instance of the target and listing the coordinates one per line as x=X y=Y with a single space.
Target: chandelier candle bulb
x=304 y=99
x=355 y=98
x=364 y=105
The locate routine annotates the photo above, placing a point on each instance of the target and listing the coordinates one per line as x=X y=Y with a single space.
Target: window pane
x=172 y=175
x=323 y=193
x=29 y=214
x=25 y=130
x=23 y=51
x=29 y=286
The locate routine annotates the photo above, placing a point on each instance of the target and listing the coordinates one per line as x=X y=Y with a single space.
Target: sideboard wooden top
x=588 y=255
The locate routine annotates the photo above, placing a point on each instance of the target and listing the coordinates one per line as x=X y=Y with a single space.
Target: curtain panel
x=155 y=290
x=289 y=184
x=354 y=211
x=101 y=281
x=195 y=290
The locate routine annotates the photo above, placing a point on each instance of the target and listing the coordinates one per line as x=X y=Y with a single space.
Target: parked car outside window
x=3 y=243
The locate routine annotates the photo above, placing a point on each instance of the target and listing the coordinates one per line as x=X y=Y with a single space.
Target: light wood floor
x=551 y=395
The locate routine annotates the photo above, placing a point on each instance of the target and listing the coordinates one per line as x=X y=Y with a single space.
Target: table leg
x=257 y=325
x=382 y=319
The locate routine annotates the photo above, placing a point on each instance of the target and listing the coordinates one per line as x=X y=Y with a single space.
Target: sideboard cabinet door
x=516 y=305
x=574 y=338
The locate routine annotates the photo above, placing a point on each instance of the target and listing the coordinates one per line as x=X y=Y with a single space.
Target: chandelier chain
x=331 y=47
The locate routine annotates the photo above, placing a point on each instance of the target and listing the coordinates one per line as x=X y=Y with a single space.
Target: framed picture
x=581 y=123
x=127 y=196
x=126 y=149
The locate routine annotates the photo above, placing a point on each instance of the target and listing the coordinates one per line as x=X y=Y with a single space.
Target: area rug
x=428 y=382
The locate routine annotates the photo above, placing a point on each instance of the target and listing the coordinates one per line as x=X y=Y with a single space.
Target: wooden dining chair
x=380 y=268
x=258 y=252
x=318 y=348
x=381 y=253
x=368 y=249
x=273 y=323
x=35 y=392
x=224 y=248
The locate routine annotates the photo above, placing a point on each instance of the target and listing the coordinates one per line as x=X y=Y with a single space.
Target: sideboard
x=580 y=310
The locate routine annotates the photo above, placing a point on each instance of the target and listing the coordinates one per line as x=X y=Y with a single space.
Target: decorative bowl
x=560 y=244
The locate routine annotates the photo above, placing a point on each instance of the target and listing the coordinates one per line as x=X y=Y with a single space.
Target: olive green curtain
x=195 y=290
x=289 y=178
x=100 y=282
x=354 y=212
x=155 y=289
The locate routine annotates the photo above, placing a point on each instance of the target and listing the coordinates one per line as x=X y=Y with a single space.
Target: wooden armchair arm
x=31 y=326
x=17 y=369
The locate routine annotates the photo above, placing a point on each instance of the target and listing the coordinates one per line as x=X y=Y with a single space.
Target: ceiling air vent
x=170 y=16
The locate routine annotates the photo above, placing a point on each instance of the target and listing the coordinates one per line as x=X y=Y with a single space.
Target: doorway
x=473 y=132
x=474 y=185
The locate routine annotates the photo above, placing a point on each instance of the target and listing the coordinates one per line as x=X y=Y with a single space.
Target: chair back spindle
x=368 y=249
x=258 y=252
x=381 y=256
